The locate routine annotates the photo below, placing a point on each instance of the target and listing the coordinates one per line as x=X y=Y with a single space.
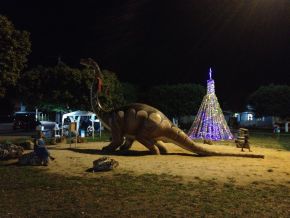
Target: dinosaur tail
x=178 y=137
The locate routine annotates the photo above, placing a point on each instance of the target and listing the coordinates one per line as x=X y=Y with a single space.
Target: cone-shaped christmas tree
x=210 y=122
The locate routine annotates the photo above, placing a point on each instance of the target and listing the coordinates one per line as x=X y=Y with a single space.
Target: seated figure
x=41 y=151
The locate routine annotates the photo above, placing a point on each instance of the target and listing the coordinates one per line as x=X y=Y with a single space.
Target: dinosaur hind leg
x=150 y=144
x=161 y=146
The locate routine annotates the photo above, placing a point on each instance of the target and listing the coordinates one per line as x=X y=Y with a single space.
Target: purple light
x=210 y=87
x=210 y=73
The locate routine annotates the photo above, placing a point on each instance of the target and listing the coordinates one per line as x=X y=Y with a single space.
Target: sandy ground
x=275 y=168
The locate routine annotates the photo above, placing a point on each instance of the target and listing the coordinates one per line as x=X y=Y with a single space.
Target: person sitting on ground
x=42 y=152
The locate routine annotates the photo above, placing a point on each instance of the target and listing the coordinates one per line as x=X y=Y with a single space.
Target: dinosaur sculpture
x=143 y=123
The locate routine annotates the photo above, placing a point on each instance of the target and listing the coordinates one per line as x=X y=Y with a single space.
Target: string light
x=210 y=122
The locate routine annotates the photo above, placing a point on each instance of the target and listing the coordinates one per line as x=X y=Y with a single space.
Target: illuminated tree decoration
x=210 y=122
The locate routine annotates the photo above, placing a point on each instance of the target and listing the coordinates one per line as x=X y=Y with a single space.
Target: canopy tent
x=75 y=116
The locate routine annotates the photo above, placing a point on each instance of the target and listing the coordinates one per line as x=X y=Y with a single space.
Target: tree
x=176 y=100
x=112 y=95
x=14 y=48
x=272 y=100
x=62 y=88
x=55 y=88
x=130 y=92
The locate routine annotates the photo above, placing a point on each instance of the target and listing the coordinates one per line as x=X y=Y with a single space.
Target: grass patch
x=105 y=136
x=268 y=140
x=262 y=139
x=31 y=192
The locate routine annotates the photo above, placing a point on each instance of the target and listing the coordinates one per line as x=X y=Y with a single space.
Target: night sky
x=148 y=42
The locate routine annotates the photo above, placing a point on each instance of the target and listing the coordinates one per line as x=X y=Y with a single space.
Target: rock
x=104 y=164
x=28 y=144
x=10 y=151
x=3 y=154
x=29 y=159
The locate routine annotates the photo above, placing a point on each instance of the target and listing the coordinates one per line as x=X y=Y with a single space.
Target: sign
x=73 y=127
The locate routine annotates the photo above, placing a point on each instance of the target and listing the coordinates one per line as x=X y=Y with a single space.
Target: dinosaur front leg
x=127 y=145
x=111 y=147
x=117 y=139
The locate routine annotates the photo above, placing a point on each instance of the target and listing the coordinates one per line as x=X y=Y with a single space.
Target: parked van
x=24 y=120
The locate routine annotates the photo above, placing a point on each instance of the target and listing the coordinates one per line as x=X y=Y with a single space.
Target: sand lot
x=274 y=169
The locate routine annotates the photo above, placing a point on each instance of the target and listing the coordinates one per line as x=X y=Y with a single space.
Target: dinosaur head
x=90 y=63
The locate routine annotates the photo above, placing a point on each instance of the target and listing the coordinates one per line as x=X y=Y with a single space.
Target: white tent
x=75 y=116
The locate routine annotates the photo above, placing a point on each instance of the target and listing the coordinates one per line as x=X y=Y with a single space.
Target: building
x=249 y=119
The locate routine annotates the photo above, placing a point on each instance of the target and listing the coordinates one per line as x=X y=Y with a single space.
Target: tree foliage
x=272 y=100
x=62 y=88
x=59 y=87
x=176 y=100
x=14 y=48
x=130 y=92
x=112 y=95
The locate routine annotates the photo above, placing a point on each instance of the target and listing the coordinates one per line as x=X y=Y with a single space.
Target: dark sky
x=246 y=42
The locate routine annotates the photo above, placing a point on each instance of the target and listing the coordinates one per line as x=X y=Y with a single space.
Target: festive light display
x=210 y=122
